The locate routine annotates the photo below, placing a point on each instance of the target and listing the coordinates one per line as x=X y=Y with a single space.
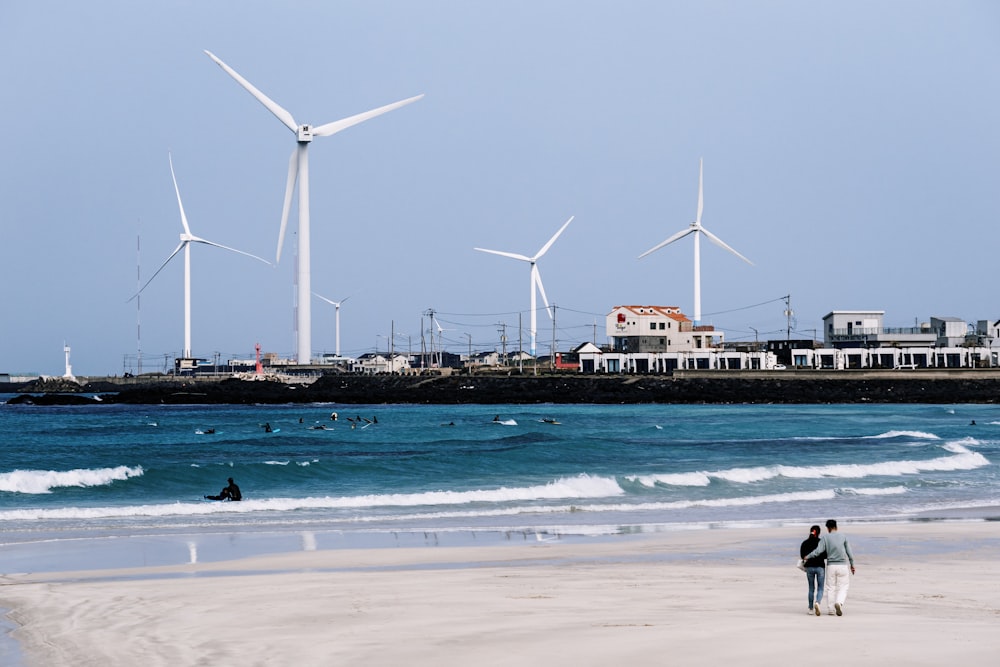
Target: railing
x=856 y=332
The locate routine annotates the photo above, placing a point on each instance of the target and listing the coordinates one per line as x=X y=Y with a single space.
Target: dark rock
x=597 y=389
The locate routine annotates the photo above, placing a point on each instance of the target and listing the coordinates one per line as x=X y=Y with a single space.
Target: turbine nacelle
x=304 y=134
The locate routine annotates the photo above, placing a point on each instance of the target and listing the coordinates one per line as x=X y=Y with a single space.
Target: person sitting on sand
x=231 y=492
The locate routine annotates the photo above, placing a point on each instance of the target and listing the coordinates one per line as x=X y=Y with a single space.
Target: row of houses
x=661 y=339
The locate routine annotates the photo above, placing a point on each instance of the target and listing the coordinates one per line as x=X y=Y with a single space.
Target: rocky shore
x=790 y=388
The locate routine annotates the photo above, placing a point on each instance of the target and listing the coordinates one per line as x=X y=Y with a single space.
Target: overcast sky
x=850 y=152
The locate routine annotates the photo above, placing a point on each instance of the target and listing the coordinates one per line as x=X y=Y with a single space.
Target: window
x=662 y=326
x=652 y=326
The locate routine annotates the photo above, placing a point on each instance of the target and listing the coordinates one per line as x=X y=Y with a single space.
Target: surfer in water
x=231 y=492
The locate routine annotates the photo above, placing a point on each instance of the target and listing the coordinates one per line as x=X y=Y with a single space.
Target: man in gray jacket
x=838 y=559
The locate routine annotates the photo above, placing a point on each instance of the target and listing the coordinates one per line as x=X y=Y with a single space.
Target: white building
x=373 y=363
x=656 y=329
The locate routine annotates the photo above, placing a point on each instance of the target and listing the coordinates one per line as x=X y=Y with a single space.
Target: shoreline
x=924 y=594
x=89 y=552
x=689 y=387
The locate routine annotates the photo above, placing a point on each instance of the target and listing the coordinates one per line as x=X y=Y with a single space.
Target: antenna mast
x=138 y=301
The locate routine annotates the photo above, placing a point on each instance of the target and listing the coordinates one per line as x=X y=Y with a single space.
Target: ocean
x=120 y=486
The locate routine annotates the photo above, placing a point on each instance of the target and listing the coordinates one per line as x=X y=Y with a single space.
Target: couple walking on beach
x=828 y=564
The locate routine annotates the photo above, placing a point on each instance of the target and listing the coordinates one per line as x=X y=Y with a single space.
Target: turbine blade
x=537 y=277
x=679 y=235
x=719 y=242
x=180 y=204
x=293 y=174
x=271 y=105
x=512 y=255
x=545 y=248
x=320 y=296
x=225 y=247
x=701 y=198
x=344 y=123
x=179 y=247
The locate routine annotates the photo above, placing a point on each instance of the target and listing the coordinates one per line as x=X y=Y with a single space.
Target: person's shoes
x=816 y=608
x=840 y=612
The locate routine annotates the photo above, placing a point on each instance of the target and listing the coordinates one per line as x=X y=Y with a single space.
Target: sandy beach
x=925 y=593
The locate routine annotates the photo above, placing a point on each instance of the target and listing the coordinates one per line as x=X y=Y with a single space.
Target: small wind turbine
x=187 y=238
x=335 y=304
x=298 y=169
x=536 y=279
x=696 y=229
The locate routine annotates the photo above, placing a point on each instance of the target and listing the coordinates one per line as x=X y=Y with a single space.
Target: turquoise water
x=109 y=471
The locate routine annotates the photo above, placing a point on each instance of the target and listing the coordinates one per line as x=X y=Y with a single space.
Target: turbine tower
x=335 y=304
x=696 y=229
x=298 y=170
x=536 y=279
x=187 y=238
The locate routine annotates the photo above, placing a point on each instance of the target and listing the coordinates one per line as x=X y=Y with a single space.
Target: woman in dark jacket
x=815 y=570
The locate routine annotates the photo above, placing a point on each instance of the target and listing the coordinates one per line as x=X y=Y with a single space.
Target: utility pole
x=503 y=340
x=552 y=353
x=520 y=346
x=423 y=344
x=469 y=336
x=788 y=316
x=430 y=312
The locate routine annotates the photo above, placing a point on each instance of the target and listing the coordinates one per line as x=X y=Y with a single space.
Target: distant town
x=654 y=340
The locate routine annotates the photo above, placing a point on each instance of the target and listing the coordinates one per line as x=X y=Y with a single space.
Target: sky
x=850 y=152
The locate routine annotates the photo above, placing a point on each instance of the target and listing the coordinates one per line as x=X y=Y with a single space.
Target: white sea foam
x=570 y=488
x=886 y=491
x=43 y=481
x=962 y=458
x=904 y=434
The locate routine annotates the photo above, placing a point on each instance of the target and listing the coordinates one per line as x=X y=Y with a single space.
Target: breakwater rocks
x=791 y=388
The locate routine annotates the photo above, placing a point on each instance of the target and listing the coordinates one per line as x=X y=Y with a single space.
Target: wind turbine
x=335 y=304
x=536 y=279
x=187 y=238
x=298 y=170
x=696 y=229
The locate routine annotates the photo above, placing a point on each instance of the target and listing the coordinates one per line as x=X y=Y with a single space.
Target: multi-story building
x=657 y=329
x=844 y=329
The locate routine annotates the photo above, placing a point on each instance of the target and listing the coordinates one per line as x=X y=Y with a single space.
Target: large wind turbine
x=298 y=169
x=696 y=229
x=335 y=304
x=187 y=238
x=536 y=279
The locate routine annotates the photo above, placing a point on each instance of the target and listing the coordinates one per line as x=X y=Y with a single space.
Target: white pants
x=838 y=580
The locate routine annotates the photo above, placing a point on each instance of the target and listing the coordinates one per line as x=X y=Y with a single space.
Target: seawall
x=792 y=387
